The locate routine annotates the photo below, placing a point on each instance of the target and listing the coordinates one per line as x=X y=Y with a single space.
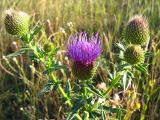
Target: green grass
x=20 y=86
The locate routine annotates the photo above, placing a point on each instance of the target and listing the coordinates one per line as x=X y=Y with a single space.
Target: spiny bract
x=16 y=23
x=83 y=71
x=137 y=31
x=134 y=54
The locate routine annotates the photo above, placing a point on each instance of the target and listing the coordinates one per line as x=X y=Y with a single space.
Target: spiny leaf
x=68 y=88
x=47 y=88
x=141 y=67
x=35 y=31
x=103 y=114
x=53 y=68
x=94 y=91
x=18 y=52
x=121 y=67
x=113 y=110
x=113 y=83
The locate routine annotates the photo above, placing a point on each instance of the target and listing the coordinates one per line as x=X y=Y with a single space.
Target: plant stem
x=55 y=81
x=53 y=78
x=61 y=91
x=78 y=117
x=85 y=89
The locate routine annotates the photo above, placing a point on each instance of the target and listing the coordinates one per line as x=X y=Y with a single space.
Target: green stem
x=85 y=94
x=61 y=91
x=78 y=117
x=35 y=52
x=85 y=89
x=53 y=77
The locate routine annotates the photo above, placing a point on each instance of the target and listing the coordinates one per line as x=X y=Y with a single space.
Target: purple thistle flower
x=83 y=49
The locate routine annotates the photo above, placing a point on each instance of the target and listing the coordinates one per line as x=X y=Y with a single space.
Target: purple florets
x=83 y=49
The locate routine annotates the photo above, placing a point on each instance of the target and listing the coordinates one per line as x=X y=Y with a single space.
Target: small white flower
x=3 y=57
x=92 y=102
x=66 y=58
x=62 y=30
x=14 y=59
x=70 y=24
x=102 y=86
x=101 y=100
x=116 y=97
x=14 y=43
x=21 y=108
x=59 y=63
x=32 y=68
x=59 y=52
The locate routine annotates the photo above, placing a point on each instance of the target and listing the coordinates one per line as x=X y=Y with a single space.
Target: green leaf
x=113 y=83
x=41 y=53
x=113 y=110
x=122 y=67
x=141 y=67
x=85 y=115
x=55 y=67
x=77 y=104
x=103 y=114
x=94 y=91
x=68 y=88
x=70 y=116
x=130 y=74
x=119 y=114
x=126 y=80
x=35 y=31
x=149 y=54
x=25 y=38
x=47 y=88
x=18 y=52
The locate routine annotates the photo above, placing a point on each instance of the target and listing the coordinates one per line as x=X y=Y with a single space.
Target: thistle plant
x=17 y=23
x=134 y=65
x=84 y=51
x=137 y=31
x=83 y=99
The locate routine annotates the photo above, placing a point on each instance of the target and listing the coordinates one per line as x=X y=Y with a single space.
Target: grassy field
x=22 y=80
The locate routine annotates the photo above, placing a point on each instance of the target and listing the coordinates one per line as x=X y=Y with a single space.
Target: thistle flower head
x=134 y=54
x=84 y=51
x=137 y=30
x=16 y=23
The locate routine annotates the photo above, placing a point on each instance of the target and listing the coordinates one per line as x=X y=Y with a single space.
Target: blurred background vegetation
x=22 y=79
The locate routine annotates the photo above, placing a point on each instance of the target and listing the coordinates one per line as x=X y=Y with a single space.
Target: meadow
x=26 y=89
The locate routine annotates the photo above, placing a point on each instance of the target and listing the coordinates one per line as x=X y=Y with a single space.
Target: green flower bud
x=48 y=47
x=134 y=54
x=16 y=23
x=83 y=71
x=137 y=31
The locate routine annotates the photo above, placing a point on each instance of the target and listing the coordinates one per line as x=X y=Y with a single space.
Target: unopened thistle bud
x=48 y=47
x=16 y=23
x=134 y=54
x=137 y=31
x=84 y=51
